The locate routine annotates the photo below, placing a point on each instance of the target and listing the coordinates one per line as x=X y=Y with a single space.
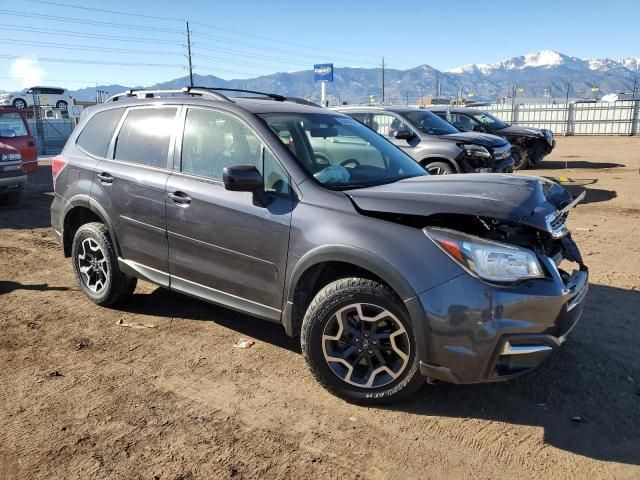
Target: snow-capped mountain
x=546 y=72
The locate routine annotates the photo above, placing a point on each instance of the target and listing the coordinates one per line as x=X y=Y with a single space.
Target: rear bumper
x=474 y=332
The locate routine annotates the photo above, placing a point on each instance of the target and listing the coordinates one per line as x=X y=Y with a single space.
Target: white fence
x=600 y=118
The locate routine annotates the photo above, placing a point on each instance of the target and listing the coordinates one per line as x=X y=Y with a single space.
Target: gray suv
x=388 y=275
x=436 y=144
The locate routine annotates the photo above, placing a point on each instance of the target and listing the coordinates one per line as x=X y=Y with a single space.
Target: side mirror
x=405 y=135
x=245 y=178
x=7 y=133
x=478 y=128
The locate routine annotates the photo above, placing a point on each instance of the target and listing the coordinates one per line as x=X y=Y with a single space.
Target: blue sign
x=323 y=72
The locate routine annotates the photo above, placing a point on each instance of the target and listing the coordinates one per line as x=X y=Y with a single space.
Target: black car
x=529 y=146
x=436 y=144
x=387 y=274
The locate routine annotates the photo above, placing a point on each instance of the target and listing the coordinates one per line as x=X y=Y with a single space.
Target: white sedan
x=50 y=96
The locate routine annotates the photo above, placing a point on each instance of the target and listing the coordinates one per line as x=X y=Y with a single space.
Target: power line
x=91 y=62
x=82 y=47
x=129 y=14
x=68 y=33
x=55 y=18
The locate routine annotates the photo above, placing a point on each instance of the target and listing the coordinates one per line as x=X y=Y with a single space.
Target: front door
x=222 y=246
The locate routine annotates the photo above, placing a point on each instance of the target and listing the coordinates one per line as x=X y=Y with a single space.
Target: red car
x=15 y=131
x=12 y=176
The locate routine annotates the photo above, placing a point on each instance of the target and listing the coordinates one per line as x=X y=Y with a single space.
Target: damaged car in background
x=388 y=275
x=529 y=145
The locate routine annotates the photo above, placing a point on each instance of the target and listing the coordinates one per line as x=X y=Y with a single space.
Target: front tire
x=359 y=344
x=520 y=157
x=62 y=105
x=19 y=103
x=96 y=266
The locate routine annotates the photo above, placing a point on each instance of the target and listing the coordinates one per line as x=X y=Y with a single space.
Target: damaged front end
x=526 y=278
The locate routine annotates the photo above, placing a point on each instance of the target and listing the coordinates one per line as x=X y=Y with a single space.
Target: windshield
x=341 y=153
x=430 y=123
x=489 y=121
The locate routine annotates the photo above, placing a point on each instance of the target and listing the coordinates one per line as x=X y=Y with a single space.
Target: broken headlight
x=488 y=260
x=477 y=151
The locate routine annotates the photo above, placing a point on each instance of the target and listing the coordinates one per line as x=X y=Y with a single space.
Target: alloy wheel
x=93 y=265
x=366 y=345
x=437 y=171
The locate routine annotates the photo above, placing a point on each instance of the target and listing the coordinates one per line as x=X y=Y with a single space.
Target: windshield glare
x=340 y=152
x=430 y=123
x=490 y=122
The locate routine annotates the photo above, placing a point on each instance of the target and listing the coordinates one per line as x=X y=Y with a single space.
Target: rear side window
x=144 y=136
x=97 y=133
x=13 y=122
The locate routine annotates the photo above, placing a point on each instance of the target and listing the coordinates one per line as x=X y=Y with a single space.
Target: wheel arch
x=325 y=264
x=426 y=160
x=81 y=210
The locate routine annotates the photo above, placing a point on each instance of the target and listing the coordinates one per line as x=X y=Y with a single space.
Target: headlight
x=10 y=157
x=493 y=261
x=475 y=151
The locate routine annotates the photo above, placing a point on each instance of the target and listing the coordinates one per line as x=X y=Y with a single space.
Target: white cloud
x=28 y=71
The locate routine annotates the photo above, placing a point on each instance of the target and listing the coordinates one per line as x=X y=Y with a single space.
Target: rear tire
x=96 y=267
x=438 y=168
x=354 y=356
x=62 y=105
x=520 y=157
x=19 y=103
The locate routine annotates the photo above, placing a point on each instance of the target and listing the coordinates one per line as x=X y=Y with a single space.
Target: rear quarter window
x=96 y=134
x=145 y=135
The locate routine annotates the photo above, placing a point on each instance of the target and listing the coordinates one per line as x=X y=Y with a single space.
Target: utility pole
x=383 y=81
x=407 y=97
x=189 y=53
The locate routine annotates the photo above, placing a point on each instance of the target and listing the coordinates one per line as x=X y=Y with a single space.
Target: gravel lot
x=83 y=397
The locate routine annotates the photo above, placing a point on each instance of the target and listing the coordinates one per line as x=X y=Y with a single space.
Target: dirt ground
x=82 y=397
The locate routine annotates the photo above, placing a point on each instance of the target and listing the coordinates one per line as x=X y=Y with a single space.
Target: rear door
x=222 y=246
x=130 y=185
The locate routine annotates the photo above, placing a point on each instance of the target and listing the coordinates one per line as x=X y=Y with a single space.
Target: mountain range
x=544 y=73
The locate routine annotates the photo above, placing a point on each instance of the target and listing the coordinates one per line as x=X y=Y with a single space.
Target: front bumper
x=476 y=332
x=12 y=180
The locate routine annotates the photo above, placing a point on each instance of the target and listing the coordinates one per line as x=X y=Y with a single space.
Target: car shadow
x=8 y=286
x=163 y=302
x=586 y=397
x=33 y=209
x=594 y=195
x=562 y=164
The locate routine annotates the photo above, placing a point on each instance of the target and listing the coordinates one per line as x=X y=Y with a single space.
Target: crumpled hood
x=484 y=139
x=518 y=198
x=520 y=131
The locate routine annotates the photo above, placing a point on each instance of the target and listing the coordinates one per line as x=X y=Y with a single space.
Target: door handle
x=105 y=177
x=180 y=198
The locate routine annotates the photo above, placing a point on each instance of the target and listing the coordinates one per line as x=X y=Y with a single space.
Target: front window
x=341 y=153
x=13 y=122
x=430 y=123
x=490 y=122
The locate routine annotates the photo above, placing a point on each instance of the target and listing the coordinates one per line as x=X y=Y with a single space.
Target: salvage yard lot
x=84 y=397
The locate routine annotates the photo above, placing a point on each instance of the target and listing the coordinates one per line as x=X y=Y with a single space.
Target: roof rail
x=152 y=93
x=274 y=96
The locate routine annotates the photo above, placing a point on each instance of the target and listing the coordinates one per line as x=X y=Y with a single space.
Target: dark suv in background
x=437 y=145
x=387 y=274
x=528 y=145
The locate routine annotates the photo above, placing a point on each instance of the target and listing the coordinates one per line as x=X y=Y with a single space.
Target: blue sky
x=238 y=39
